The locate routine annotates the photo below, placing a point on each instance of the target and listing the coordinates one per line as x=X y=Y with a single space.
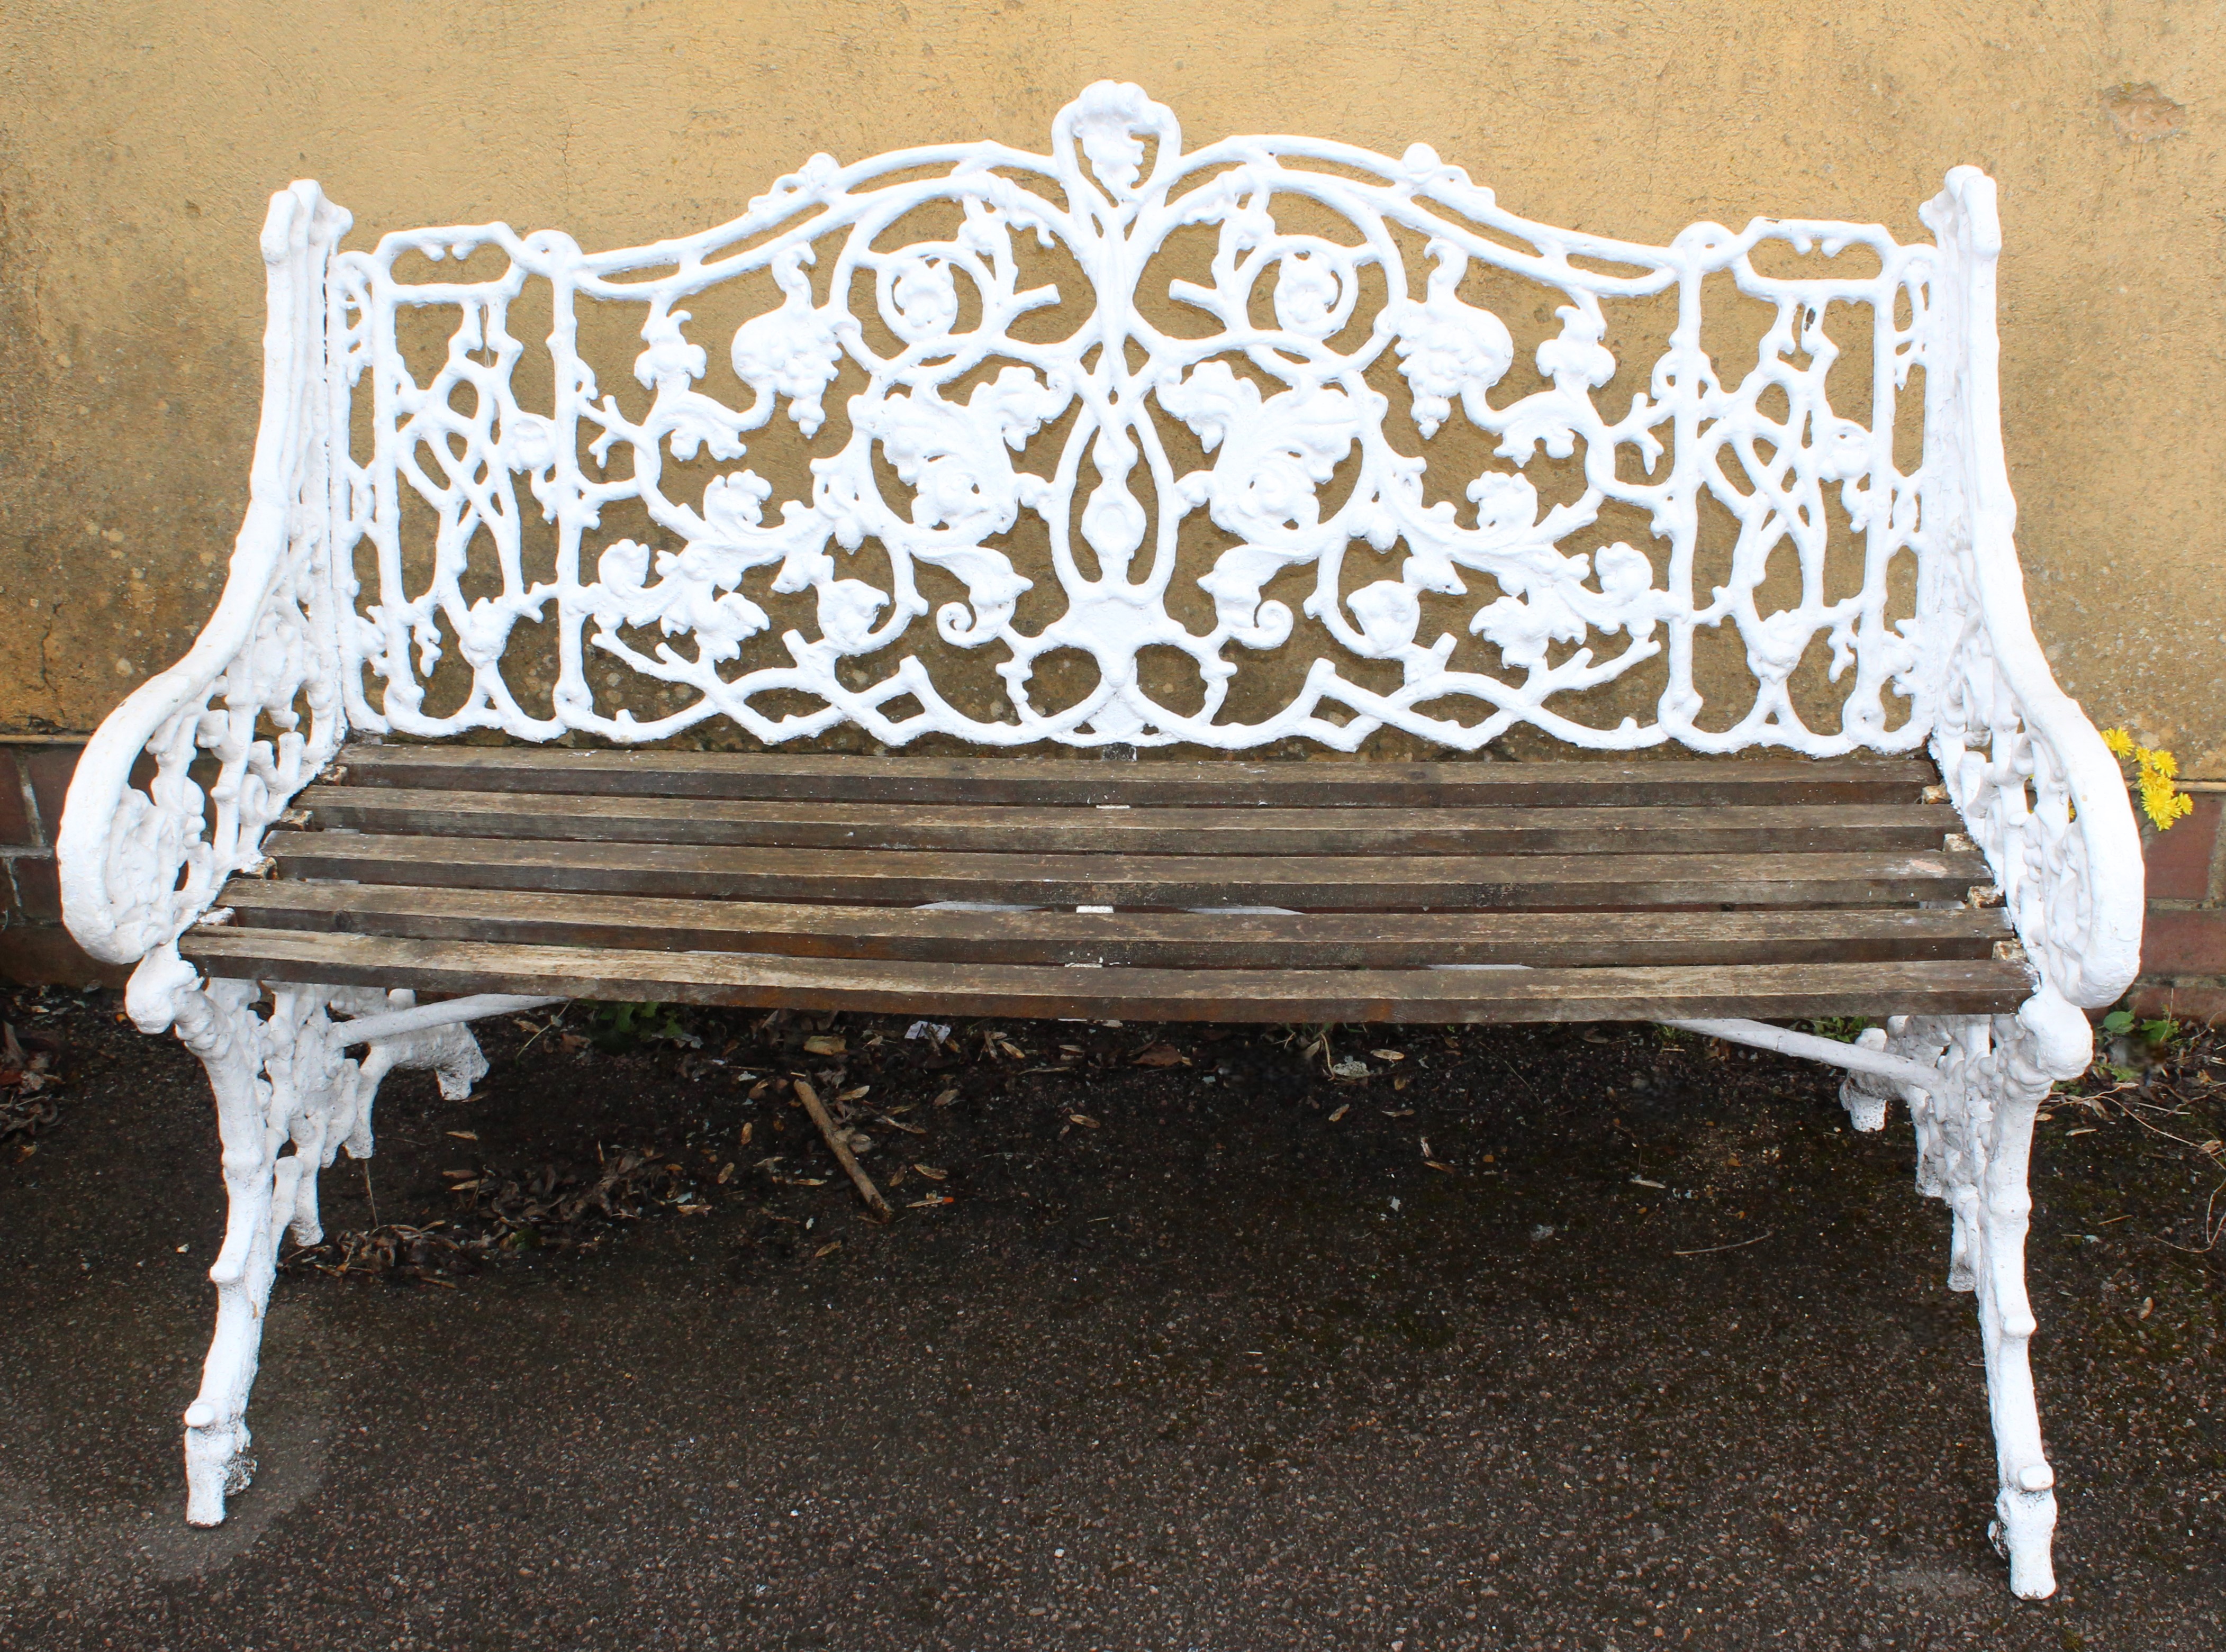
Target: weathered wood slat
x=741 y=776
x=900 y=878
x=810 y=823
x=1775 y=887
x=1156 y=940
x=1955 y=988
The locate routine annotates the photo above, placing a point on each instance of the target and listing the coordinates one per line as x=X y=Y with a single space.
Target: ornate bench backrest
x=1085 y=429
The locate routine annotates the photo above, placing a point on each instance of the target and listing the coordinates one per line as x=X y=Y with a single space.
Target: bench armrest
x=177 y=788
x=2039 y=792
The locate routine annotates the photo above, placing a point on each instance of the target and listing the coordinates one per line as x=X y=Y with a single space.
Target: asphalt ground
x=1553 y=1336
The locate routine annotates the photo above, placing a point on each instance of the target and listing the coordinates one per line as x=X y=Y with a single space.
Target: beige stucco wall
x=138 y=144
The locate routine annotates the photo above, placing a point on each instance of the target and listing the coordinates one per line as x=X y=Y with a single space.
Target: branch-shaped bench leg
x=219 y=1027
x=1975 y=1136
x=286 y=1100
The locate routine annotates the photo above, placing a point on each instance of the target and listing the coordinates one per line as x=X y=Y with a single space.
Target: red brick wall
x=2184 y=940
x=34 y=948
x=2183 y=949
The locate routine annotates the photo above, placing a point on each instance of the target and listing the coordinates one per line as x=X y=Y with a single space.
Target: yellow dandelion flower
x=2155 y=771
x=2162 y=802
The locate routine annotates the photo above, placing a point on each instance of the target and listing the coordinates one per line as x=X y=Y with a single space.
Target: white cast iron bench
x=1108 y=411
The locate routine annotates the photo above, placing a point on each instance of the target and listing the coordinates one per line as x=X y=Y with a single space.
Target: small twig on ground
x=840 y=1149
x=550 y=1024
x=2180 y=1084
x=2195 y=1147
x=1710 y=1250
x=2212 y=1229
x=1509 y=1069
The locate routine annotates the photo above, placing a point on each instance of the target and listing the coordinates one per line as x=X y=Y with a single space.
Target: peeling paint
x=2141 y=113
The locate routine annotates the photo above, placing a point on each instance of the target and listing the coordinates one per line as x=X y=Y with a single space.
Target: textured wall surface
x=139 y=143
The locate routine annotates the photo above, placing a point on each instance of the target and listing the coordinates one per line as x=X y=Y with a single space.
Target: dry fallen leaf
x=1434 y=1165
x=1342 y=1107
x=853 y=1094
x=459 y=1175
x=746 y=1137
x=827 y=1249
x=1396 y=1112
x=465 y=1136
x=1161 y=1055
x=933 y=1174
x=1388 y=1055
x=727 y=1174
x=824 y=1044
x=1013 y=1049
x=946 y=1098
x=1084 y=1120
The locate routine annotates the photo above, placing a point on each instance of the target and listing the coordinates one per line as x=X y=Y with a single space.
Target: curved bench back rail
x=1125 y=403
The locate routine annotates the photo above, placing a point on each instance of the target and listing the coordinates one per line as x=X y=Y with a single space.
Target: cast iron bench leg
x=1973 y=1138
x=287 y=1099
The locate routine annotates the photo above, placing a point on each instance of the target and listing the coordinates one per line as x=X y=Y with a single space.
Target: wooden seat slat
x=1958 y=987
x=1164 y=940
x=1266 y=830
x=909 y=878
x=772 y=776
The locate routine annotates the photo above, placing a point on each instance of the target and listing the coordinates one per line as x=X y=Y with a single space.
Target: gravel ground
x=1552 y=1337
